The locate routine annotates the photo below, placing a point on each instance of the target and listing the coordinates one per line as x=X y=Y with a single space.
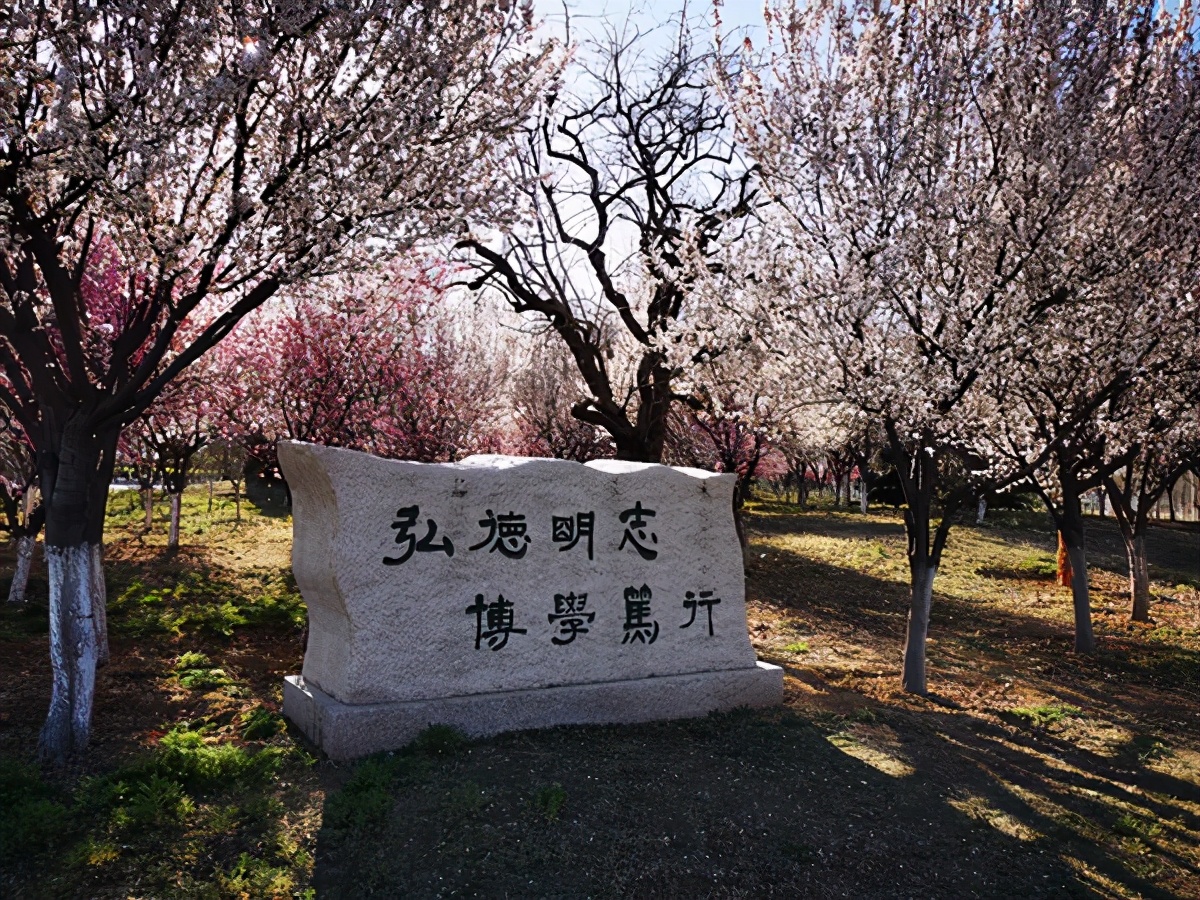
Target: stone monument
x=503 y=593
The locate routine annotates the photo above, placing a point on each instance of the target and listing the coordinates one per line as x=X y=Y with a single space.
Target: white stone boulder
x=505 y=592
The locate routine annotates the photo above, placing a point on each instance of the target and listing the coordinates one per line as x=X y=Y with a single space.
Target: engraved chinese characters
x=638 y=624
x=508 y=534
x=567 y=530
x=500 y=592
x=569 y=617
x=406 y=518
x=499 y=573
x=499 y=618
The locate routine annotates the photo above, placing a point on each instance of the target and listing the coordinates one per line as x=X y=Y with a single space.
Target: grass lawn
x=1030 y=771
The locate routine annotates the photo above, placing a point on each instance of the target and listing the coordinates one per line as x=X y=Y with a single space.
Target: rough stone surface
x=346 y=731
x=433 y=581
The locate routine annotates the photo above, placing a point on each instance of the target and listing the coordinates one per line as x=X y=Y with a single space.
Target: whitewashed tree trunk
x=864 y=497
x=26 y=544
x=912 y=678
x=173 y=533
x=99 y=602
x=981 y=511
x=72 y=651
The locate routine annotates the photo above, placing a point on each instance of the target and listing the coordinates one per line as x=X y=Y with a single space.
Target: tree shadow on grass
x=270 y=498
x=1105 y=805
x=1116 y=819
x=184 y=592
x=874 y=800
x=1173 y=551
x=776 y=518
x=845 y=597
x=748 y=804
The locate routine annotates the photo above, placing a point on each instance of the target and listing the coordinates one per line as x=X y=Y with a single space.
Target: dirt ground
x=1029 y=771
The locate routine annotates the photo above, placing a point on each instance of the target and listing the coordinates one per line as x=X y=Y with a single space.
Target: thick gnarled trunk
x=26 y=544
x=73 y=652
x=75 y=491
x=99 y=601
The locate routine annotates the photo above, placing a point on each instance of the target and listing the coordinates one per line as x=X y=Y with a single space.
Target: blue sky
x=586 y=15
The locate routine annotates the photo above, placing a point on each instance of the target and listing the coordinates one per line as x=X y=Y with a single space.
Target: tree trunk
x=75 y=482
x=26 y=544
x=72 y=652
x=1133 y=523
x=1085 y=640
x=237 y=503
x=99 y=602
x=912 y=676
x=210 y=495
x=149 y=499
x=1103 y=502
x=864 y=497
x=1071 y=532
x=837 y=490
x=173 y=531
x=1139 y=577
x=918 y=474
x=1064 y=563
x=981 y=511
x=739 y=522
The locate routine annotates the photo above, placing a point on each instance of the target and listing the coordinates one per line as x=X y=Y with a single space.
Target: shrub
x=1048 y=714
x=154 y=801
x=439 y=740
x=549 y=800
x=187 y=757
x=191 y=660
x=194 y=679
x=260 y=724
x=32 y=817
x=366 y=799
x=252 y=877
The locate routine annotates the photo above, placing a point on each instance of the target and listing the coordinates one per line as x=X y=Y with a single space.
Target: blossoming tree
x=931 y=163
x=617 y=178
x=225 y=151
